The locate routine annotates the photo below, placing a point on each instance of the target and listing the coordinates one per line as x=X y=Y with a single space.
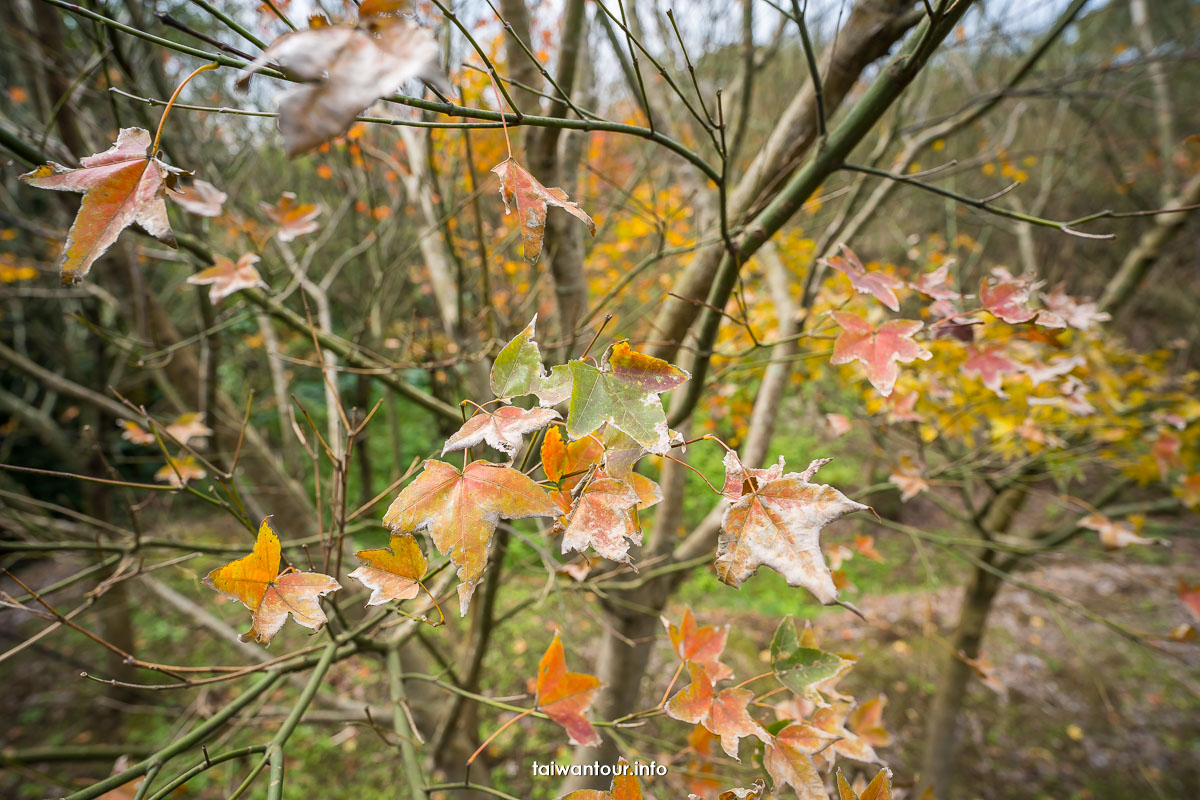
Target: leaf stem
x=171 y=102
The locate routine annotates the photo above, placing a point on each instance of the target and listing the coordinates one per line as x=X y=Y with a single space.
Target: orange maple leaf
x=625 y=786
x=294 y=219
x=723 y=713
x=120 y=186
x=461 y=509
x=702 y=645
x=393 y=572
x=565 y=696
x=227 y=277
x=255 y=581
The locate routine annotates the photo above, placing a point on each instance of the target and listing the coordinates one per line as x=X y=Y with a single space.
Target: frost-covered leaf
x=602 y=519
x=461 y=509
x=879 y=284
x=565 y=696
x=937 y=284
x=256 y=582
x=294 y=219
x=503 y=429
x=788 y=760
x=201 y=198
x=343 y=69
x=121 y=186
x=880 y=349
x=623 y=392
x=227 y=277
x=778 y=524
x=393 y=572
x=521 y=190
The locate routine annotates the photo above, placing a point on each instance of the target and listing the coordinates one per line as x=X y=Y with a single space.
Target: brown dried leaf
x=519 y=188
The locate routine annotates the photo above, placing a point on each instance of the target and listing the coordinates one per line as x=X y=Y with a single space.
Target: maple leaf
x=343 y=70
x=778 y=524
x=503 y=429
x=517 y=365
x=255 y=580
x=518 y=370
x=566 y=463
x=1054 y=368
x=519 y=188
x=201 y=198
x=990 y=365
x=908 y=479
x=132 y=432
x=623 y=392
x=625 y=786
x=602 y=519
x=179 y=471
x=866 y=720
x=723 y=713
x=701 y=645
x=565 y=696
x=798 y=666
x=121 y=186
x=754 y=792
x=1075 y=312
x=393 y=572
x=1165 y=451
x=788 y=760
x=880 y=787
x=879 y=284
x=832 y=720
x=461 y=509
x=189 y=426
x=227 y=277
x=1115 y=535
x=839 y=424
x=294 y=219
x=865 y=544
x=879 y=349
x=936 y=284
x=1007 y=298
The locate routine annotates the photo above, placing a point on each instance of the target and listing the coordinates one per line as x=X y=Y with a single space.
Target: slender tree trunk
x=941 y=724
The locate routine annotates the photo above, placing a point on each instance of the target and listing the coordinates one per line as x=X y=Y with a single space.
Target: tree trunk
x=941 y=724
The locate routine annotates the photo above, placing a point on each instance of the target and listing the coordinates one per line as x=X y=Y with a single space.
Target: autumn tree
x=464 y=330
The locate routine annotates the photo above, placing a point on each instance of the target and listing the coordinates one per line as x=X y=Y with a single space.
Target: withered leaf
x=344 y=69
x=520 y=189
x=121 y=186
x=777 y=523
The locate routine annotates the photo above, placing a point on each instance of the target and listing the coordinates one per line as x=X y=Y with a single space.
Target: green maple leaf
x=623 y=391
